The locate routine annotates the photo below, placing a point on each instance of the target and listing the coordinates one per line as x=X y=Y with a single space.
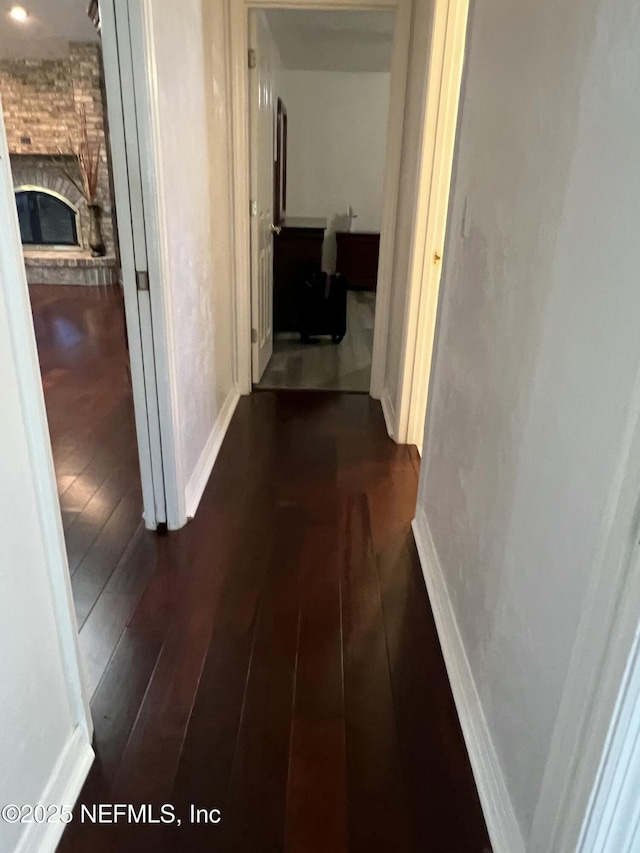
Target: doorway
x=73 y=165
x=319 y=98
x=426 y=69
x=75 y=255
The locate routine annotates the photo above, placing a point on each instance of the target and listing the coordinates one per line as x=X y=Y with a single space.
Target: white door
x=119 y=18
x=262 y=124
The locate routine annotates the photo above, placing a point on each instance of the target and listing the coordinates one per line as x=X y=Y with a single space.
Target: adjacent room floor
x=321 y=364
x=277 y=658
x=80 y=333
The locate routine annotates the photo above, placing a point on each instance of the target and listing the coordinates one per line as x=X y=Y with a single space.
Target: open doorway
x=54 y=104
x=426 y=69
x=319 y=98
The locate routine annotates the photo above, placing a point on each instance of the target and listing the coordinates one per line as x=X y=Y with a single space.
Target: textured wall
x=337 y=130
x=195 y=171
x=40 y=101
x=537 y=354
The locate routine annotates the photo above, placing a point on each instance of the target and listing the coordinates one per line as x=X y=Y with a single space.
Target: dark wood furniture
x=297 y=252
x=357 y=258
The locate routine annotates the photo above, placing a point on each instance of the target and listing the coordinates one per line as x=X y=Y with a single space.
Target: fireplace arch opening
x=46 y=218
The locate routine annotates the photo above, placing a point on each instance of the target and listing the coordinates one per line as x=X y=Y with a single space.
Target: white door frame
x=598 y=723
x=123 y=27
x=13 y=281
x=428 y=245
x=436 y=159
x=129 y=68
x=238 y=39
x=613 y=818
x=262 y=349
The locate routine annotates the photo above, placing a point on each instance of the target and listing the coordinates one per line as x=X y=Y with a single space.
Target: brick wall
x=40 y=99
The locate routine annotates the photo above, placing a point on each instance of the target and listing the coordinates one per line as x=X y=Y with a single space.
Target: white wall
x=417 y=75
x=337 y=125
x=191 y=80
x=44 y=738
x=536 y=357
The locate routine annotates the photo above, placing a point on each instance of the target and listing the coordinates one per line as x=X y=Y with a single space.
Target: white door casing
x=33 y=549
x=262 y=123
x=441 y=98
x=445 y=74
x=121 y=22
x=436 y=158
x=240 y=94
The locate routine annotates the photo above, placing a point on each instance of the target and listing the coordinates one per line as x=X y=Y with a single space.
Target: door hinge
x=254 y=336
x=253 y=59
x=142 y=280
x=254 y=208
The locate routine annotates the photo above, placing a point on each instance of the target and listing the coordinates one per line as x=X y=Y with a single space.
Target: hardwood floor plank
x=432 y=749
x=262 y=748
x=316 y=812
x=100 y=634
x=116 y=702
x=213 y=727
x=178 y=609
x=378 y=816
x=103 y=557
x=116 y=488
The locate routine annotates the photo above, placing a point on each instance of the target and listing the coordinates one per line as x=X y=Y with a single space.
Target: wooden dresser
x=357 y=258
x=297 y=252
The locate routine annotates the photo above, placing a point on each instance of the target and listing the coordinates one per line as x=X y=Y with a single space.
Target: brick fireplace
x=41 y=99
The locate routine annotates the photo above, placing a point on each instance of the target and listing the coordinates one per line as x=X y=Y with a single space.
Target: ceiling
x=333 y=41
x=51 y=25
x=306 y=39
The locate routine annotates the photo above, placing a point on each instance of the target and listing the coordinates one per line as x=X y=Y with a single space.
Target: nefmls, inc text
x=146 y=814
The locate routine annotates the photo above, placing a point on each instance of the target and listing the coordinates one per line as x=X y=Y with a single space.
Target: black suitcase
x=323 y=307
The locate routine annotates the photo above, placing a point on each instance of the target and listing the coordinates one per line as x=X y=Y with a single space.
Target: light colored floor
x=323 y=365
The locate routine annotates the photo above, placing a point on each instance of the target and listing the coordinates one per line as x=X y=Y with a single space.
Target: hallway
x=275 y=659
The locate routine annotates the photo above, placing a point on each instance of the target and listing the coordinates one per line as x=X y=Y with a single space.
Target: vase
x=96 y=243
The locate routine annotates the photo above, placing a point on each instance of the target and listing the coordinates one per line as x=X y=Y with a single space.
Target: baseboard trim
x=63 y=788
x=499 y=814
x=388 y=410
x=204 y=466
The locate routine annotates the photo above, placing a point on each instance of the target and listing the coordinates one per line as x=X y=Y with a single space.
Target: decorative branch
x=94 y=13
x=87 y=156
x=64 y=170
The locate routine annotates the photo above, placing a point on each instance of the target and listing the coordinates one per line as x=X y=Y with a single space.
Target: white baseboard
x=502 y=823
x=389 y=412
x=204 y=467
x=63 y=788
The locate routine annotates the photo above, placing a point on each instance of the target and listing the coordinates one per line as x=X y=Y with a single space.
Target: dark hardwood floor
x=277 y=658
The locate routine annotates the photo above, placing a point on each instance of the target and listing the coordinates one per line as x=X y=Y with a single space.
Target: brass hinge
x=253 y=59
x=142 y=280
x=254 y=336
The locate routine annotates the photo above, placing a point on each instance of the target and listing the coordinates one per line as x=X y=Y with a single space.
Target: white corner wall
x=536 y=362
x=190 y=49
x=337 y=126
x=45 y=752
